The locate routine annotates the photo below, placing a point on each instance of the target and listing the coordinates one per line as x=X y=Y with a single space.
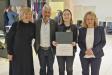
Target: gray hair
x=46 y=7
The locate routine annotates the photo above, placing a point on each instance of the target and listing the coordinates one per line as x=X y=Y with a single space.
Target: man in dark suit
x=45 y=34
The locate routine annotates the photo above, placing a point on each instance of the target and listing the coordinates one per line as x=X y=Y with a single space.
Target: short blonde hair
x=95 y=19
x=25 y=10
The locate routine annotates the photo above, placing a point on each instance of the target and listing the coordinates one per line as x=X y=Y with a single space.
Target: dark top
x=19 y=41
x=73 y=28
x=99 y=41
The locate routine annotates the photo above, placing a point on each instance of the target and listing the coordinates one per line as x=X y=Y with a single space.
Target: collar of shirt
x=47 y=22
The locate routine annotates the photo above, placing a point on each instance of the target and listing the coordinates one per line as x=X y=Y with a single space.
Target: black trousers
x=68 y=61
x=10 y=67
x=94 y=63
x=46 y=60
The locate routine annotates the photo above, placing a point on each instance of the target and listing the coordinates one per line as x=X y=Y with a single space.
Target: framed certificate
x=64 y=50
x=64 y=46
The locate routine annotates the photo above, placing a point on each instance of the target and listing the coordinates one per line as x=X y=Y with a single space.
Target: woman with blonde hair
x=91 y=41
x=19 y=40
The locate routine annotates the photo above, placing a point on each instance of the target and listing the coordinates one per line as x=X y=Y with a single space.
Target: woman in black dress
x=19 y=44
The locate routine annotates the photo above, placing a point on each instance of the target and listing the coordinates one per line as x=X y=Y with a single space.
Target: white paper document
x=64 y=50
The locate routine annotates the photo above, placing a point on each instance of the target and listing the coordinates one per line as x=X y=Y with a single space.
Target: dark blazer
x=61 y=28
x=38 y=29
x=99 y=41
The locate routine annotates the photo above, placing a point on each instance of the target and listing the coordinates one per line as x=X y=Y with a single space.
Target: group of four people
x=91 y=40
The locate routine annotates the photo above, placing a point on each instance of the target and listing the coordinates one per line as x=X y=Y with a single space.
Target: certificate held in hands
x=64 y=46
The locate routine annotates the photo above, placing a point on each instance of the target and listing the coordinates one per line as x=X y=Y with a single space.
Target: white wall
x=103 y=7
x=18 y=2
x=85 y=2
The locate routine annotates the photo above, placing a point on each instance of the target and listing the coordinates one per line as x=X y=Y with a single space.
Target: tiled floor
x=106 y=66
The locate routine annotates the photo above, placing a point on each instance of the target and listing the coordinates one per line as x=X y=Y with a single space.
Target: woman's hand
x=89 y=52
x=10 y=57
x=54 y=43
x=73 y=44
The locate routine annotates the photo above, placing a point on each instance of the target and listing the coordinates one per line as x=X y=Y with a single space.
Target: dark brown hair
x=71 y=21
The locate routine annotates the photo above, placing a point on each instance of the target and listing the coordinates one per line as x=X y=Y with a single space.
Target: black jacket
x=99 y=41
